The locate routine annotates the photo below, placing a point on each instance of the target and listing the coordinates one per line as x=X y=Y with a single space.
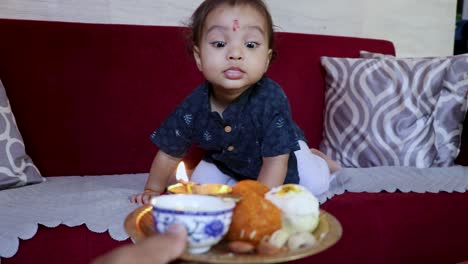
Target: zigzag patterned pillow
x=394 y=112
x=16 y=167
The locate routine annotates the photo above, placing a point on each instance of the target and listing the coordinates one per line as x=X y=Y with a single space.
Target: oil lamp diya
x=184 y=186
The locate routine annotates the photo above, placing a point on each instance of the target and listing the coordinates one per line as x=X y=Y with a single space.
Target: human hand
x=157 y=249
x=144 y=197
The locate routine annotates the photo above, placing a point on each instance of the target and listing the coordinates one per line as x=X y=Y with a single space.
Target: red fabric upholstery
x=63 y=244
x=86 y=97
x=398 y=228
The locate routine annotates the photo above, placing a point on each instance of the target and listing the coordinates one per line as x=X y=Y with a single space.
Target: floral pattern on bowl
x=206 y=218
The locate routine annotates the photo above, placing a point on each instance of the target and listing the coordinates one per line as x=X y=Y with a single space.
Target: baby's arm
x=162 y=167
x=273 y=171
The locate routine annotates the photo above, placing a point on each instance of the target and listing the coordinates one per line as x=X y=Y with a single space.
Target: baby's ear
x=270 y=55
x=196 y=56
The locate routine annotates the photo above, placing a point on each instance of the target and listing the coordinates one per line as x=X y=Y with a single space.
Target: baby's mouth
x=233 y=73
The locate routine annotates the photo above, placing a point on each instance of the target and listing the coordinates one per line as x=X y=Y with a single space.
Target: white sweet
x=279 y=238
x=300 y=208
x=300 y=240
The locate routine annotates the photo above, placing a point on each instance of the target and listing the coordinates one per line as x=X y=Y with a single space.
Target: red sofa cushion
x=384 y=228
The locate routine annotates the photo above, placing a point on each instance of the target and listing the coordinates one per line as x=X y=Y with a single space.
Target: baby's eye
x=251 y=45
x=218 y=44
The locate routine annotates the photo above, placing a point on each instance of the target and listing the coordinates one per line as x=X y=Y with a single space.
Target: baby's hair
x=198 y=19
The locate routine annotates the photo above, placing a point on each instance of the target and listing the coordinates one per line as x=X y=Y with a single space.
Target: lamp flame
x=181 y=173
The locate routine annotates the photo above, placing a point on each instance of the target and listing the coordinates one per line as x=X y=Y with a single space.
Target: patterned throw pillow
x=16 y=167
x=388 y=111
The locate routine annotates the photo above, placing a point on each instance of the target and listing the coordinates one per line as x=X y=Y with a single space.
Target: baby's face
x=233 y=52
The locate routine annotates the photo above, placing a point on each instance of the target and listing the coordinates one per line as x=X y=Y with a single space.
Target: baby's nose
x=235 y=53
x=234 y=57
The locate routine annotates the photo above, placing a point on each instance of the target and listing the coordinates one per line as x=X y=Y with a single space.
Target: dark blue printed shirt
x=257 y=124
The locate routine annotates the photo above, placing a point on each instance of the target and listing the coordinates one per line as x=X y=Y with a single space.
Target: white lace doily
x=405 y=179
x=100 y=202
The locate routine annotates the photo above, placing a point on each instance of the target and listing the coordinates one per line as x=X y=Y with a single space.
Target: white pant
x=314 y=173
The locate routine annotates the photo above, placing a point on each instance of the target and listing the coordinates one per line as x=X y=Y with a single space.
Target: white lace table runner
x=101 y=202
x=405 y=179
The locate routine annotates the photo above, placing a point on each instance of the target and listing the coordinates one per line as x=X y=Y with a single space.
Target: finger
x=146 y=198
x=135 y=198
x=156 y=249
x=138 y=198
x=169 y=245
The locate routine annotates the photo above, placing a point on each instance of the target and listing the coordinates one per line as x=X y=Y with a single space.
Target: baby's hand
x=144 y=197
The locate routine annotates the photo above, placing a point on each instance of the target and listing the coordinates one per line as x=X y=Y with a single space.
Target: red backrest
x=86 y=97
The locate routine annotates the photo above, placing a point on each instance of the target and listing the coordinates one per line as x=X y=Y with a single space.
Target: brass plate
x=139 y=224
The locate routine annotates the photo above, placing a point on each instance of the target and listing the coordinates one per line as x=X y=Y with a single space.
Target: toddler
x=238 y=116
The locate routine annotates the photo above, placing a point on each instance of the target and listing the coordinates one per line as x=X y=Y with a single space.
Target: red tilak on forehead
x=235 y=25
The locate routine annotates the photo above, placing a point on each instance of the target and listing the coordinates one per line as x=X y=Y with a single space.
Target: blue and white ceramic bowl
x=206 y=218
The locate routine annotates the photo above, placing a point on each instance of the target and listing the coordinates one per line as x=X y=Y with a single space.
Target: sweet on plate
x=254 y=217
x=272 y=221
x=300 y=207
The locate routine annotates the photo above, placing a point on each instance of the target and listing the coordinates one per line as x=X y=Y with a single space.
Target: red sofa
x=86 y=97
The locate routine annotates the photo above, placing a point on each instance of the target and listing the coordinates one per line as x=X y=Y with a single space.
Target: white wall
x=417 y=27
x=465 y=9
